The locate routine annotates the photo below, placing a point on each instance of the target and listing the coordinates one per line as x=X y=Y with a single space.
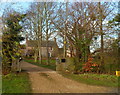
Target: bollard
x=118 y=73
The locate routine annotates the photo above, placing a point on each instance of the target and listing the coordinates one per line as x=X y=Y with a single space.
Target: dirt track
x=47 y=81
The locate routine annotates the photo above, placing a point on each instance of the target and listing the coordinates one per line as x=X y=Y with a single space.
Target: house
x=70 y=51
x=32 y=46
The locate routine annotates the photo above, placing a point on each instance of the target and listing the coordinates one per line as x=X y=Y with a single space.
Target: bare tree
x=41 y=26
x=35 y=27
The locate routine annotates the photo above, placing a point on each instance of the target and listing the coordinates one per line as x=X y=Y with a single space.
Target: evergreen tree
x=11 y=38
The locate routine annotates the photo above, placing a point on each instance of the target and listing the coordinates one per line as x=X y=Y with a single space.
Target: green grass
x=50 y=66
x=52 y=61
x=16 y=83
x=95 y=79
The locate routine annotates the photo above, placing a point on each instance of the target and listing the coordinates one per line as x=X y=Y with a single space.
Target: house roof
x=33 y=43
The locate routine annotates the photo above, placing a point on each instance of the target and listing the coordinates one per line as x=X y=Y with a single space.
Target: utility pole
x=65 y=32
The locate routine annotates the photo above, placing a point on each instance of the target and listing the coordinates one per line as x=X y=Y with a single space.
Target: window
x=49 y=54
x=51 y=48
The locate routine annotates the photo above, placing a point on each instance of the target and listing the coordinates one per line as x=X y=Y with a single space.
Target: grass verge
x=95 y=79
x=16 y=83
x=50 y=66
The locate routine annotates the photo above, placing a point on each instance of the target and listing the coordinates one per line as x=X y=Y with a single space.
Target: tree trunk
x=77 y=60
x=39 y=35
x=87 y=53
x=101 y=35
x=35 y=56
x=71 y=51
x=47 y=48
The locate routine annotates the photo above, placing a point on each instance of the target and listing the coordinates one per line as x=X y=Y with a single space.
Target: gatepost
x=16 y=64
x=60 y=64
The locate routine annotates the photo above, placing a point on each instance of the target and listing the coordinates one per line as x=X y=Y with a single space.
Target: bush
x=73 y=65
x=110 y=68
x=110 y=64
x=90 y=66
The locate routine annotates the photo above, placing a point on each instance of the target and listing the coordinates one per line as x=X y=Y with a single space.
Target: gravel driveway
x=47 y=81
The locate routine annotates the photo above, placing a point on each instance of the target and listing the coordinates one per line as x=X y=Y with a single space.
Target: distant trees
x=35 y=27
x=79 y=24
x=49 y=30
x=115 y=46
x=40 y=25
x=80 y=30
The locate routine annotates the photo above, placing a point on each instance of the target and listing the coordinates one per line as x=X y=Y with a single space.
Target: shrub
x=90 y=66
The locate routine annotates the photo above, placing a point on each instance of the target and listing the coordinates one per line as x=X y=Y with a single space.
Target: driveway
x=47 y=81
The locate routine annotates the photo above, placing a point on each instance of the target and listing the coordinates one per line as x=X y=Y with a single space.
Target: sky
x=21 y=6
x=60 y=0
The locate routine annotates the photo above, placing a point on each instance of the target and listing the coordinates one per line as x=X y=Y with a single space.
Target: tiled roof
x=33 y=43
